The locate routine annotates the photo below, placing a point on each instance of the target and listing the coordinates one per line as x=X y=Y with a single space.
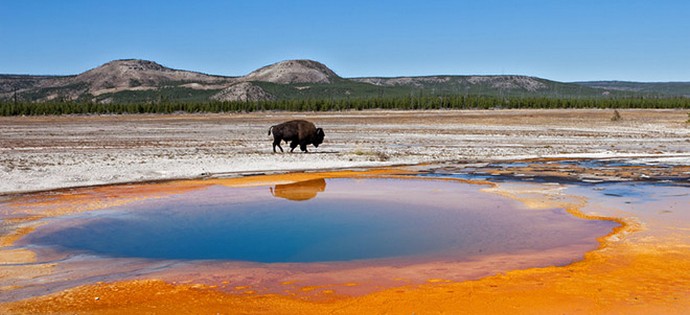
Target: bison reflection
x=299 y=191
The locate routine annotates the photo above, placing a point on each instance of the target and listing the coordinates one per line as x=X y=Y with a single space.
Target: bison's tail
x=269 y=130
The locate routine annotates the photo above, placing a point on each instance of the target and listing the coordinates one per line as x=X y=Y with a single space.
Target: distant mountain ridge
x=527 y=83
x=681 y=89
x=135 y=80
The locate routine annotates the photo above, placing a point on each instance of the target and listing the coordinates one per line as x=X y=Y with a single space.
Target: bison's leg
x=303 y=147
x=276 y=142
x=293 y=145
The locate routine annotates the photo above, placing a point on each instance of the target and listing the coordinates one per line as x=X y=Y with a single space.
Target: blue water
x=351 y=220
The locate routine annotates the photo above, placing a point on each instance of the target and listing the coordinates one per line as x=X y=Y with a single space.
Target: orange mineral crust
x=635 y=283
x=627 y=274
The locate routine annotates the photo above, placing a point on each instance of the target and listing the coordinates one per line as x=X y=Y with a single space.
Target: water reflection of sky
x=352 y=219
x=653 y=203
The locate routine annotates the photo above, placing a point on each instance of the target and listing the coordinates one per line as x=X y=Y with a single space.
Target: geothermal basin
x=350 y=219
x=305 y=235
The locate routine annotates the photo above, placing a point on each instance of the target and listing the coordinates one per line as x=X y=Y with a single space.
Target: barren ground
x=39 y=153
x=639 y=268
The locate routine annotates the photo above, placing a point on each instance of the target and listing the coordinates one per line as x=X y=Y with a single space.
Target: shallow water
x=320 y=221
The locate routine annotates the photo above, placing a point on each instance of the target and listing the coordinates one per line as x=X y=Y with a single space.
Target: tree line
x=10 y=108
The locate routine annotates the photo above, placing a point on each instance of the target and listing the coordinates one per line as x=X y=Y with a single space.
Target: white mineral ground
x=42 y=153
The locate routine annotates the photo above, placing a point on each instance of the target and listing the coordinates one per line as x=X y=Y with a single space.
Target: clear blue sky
x=566 y=40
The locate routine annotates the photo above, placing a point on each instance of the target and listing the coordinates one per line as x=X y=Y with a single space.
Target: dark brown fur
x=297 y=132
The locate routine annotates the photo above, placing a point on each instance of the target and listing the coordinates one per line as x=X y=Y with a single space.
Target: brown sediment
x=619 y=277
x=9 y=239
x=16 y=256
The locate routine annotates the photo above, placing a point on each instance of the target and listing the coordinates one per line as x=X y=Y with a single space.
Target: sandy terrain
x=39 y=153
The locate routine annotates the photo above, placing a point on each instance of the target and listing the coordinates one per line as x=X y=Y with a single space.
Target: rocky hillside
x=110 y=78
x=243 y=91
x=134 y=81
x=492 y=85
x=141 y=80
x=294 y=71
x=681 y=89
x=505 y=82
x=133 y=74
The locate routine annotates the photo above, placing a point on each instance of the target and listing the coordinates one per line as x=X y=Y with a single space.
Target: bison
x=298 y=132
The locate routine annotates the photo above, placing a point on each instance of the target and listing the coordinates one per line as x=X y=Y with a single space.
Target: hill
x=490 y=85
x=680 y=89
x=133 y=80
x=141 y=81
x=104 y=83
x=294 y=71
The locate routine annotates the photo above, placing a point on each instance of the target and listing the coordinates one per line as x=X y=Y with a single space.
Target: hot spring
x=322 y=220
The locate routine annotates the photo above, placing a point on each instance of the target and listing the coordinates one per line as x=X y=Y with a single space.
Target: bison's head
x=318 y=139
